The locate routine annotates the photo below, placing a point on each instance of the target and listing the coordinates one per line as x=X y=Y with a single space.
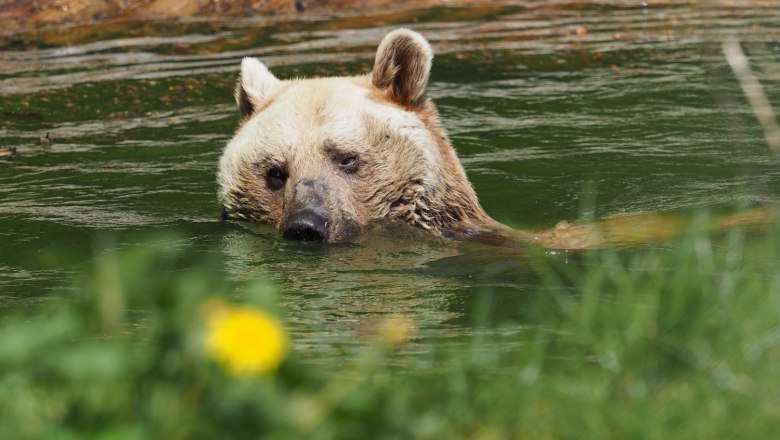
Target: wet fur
x=408 y=170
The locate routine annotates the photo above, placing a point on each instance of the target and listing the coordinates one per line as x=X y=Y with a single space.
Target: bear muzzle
x=306 y=225
x=317 y=214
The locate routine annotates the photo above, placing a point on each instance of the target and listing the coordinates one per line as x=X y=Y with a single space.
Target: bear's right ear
x=255 y=83
x=402 y=67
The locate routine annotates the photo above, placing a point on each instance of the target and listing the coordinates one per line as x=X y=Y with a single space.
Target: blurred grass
x=666 y=342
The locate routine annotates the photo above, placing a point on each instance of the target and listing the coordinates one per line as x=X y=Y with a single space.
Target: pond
x=558 y=110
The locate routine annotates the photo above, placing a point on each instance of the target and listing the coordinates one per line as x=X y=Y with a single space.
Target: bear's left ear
x=402 y=67
x=255 y=83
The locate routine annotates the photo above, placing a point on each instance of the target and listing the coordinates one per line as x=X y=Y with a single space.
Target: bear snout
x=318 y=213
x=306 y=225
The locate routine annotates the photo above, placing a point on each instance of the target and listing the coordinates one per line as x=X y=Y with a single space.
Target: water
x=546 y=103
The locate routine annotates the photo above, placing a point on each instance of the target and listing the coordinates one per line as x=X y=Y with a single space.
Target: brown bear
x=322 y=158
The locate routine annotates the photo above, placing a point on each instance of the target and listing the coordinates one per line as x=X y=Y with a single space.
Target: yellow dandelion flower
x=244 y=340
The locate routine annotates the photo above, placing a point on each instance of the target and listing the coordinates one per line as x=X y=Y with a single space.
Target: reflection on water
x=543 y=101
x=391 y=269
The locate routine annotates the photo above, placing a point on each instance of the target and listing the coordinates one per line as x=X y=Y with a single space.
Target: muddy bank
x=16 y=15
x=25 y=14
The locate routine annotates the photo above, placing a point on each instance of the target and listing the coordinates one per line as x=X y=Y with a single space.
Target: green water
x=639 y=114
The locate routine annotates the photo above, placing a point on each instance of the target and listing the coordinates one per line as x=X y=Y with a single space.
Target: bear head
x=321 y=158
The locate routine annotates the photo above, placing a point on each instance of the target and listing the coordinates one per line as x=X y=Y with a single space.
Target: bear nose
x=306 y=225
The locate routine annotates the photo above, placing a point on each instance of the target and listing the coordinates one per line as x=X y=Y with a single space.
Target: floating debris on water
x=46 y=140
x=10 y=151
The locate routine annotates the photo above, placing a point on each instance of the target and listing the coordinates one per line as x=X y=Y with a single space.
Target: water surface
x=547 y=104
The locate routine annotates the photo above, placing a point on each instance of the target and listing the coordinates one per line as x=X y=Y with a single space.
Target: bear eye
x=347 y=163
x=275 y=178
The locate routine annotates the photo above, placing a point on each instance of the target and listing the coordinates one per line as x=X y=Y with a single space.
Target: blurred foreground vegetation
x=674 y=342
